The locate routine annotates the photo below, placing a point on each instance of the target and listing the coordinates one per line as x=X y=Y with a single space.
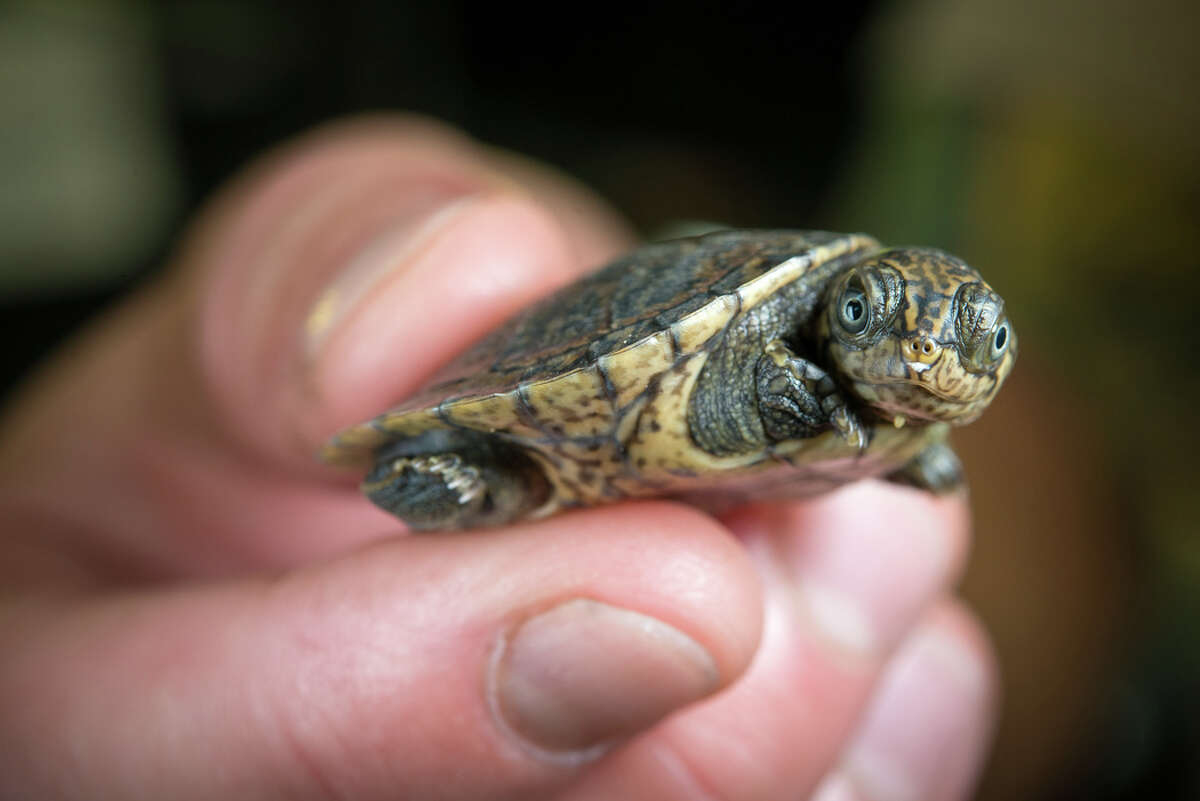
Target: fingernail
x=389 y=252
x=585 y=674
x=925 y=730
x=869 y=562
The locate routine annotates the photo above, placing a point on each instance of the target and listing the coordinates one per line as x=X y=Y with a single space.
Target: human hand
x=195 y=609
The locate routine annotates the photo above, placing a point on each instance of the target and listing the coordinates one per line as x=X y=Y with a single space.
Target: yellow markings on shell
x=630 y=369
x=566 y=424
x=490 y=413
x=584 y=470
x=626 y=426
x=572 y=405
x=693 y=331
x=661 y=448
x=560 y=494
x=353 y=446
x=409 y=423
x=754 y=292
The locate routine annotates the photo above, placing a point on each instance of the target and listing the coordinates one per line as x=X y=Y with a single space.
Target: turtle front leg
x=797 y=399
x=465 y=488
x=937 y=469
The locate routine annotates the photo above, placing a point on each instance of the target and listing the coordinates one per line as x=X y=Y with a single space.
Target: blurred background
x=1052 y=143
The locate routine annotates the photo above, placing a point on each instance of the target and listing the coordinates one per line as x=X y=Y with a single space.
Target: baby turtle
x=717 y=369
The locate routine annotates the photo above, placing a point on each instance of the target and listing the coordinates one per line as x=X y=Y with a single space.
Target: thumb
x=176 y=442
x=457 y=667
x=336 y=278
x=324 y=286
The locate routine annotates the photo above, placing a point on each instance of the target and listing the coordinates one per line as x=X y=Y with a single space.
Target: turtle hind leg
x=474 y=484
x=937 y=469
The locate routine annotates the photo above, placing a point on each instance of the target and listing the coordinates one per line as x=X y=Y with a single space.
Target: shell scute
x=498 y=413
x=576 y=405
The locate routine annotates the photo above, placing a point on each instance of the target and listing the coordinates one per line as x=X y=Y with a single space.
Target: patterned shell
x=571 y=365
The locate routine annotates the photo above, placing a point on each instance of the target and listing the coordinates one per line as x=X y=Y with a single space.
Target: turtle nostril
x=922 y=347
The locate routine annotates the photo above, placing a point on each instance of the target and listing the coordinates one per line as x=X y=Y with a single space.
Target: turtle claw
x=428 y=491
x=798 y=399
x=846 y=423
x=475 y=482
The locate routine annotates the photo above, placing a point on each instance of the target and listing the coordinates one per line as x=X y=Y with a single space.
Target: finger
x=320 y=289
x=455 y=667
x=846 y=576
x=363 y=261
x=596 y=235
x=926 y=730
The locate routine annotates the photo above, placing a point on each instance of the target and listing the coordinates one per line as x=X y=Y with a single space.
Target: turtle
x=735 y=366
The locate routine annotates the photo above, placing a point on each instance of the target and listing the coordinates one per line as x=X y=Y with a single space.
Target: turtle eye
x=993 y=345
x=853 y=310
x=999 y=342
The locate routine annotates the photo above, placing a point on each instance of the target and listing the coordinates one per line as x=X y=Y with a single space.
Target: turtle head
x=916 y=333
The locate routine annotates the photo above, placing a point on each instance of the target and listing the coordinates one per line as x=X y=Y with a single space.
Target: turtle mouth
x=928 y=388
x=907 y=399
x=924 y=385
x=941 y=379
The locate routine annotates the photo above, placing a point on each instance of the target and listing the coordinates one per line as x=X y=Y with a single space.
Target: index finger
x=365 y=257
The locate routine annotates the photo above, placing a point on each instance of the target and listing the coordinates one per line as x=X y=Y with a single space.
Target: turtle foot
x=798 y=399
x=481 y=485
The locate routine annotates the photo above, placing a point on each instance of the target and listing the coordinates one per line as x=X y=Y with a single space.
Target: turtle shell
x=593 y=381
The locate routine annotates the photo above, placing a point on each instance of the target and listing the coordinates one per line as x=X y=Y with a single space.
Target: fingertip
x=666 y=560
x=342 y=269
x=430 y=292
x=597 y=233
x=959 y=623
x=683 y=566
x=928 y=726
x=863 y=561
x=845 y=586
x=666 y=611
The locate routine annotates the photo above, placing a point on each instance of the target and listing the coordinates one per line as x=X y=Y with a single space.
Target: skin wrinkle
x=687 y=774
